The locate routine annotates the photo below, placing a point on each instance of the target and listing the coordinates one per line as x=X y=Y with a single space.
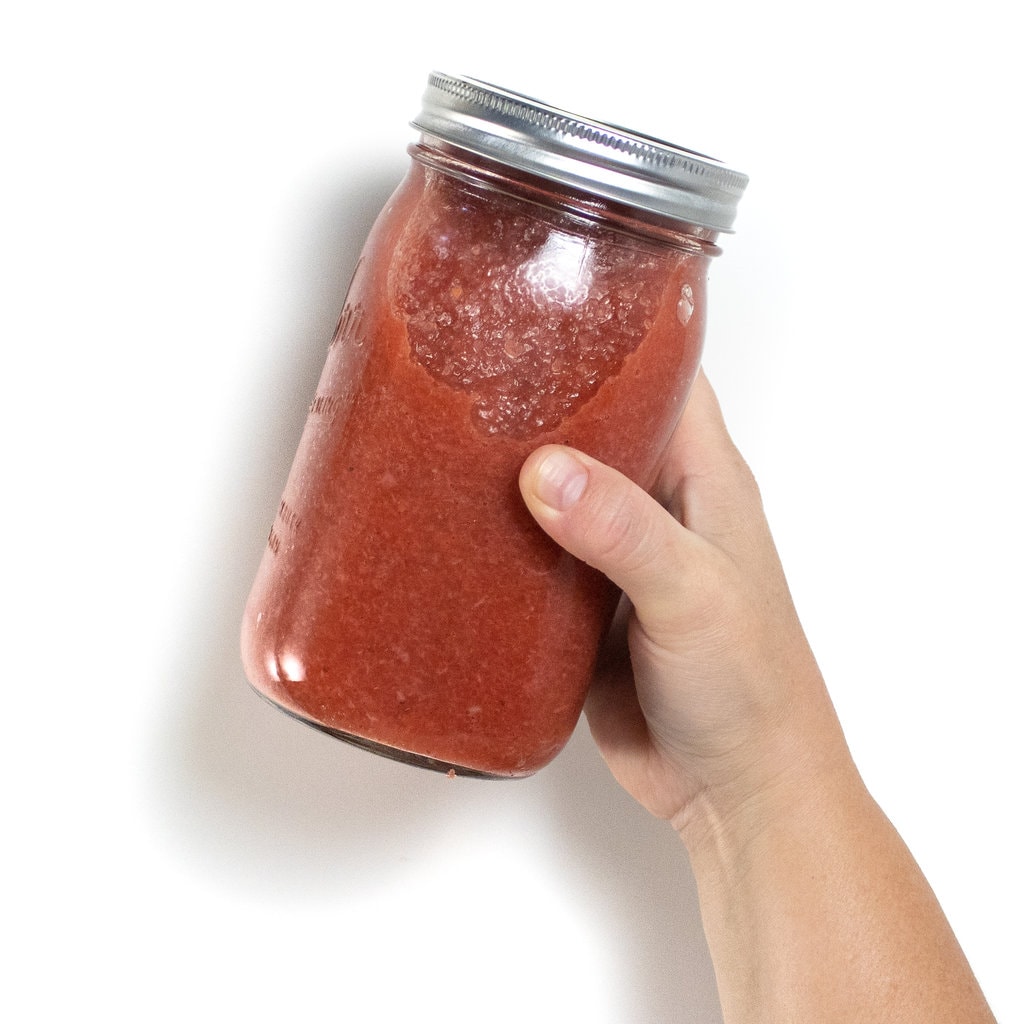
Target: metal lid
x=603 y=159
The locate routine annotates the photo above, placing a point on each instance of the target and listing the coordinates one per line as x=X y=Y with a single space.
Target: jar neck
x=483 y=171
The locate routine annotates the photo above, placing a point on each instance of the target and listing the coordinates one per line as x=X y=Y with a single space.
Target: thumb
x=607 y=521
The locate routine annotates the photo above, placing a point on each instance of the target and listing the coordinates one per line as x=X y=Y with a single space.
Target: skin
x=710 y=710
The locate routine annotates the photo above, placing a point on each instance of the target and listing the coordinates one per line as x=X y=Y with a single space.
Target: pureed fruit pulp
x=406 y=600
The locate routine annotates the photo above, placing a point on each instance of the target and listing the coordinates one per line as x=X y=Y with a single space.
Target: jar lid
x=605 y=160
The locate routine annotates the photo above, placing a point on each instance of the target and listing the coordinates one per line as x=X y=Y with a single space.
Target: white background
x=184 y=193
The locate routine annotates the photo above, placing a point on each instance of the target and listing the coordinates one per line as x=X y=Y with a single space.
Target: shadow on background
x=633 y=870
x=262 y=803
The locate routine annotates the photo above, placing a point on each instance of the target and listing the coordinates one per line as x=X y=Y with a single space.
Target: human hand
x=707 y=693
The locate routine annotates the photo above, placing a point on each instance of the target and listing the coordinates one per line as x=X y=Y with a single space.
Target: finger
x=601 y=517
x=704 y=481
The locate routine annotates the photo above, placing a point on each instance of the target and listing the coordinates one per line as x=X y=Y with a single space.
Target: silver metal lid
x=605 y=160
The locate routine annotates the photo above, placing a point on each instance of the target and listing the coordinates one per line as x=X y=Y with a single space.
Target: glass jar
x=537 y=277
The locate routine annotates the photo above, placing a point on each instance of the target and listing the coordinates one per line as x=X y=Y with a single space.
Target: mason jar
x=537 y=278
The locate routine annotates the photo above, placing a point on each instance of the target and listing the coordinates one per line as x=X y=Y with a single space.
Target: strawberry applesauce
x=406 y=601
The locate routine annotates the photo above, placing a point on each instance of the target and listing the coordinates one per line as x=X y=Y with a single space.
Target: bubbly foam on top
x=527 y=317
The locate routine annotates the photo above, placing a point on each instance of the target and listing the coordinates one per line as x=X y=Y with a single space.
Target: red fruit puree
x=406 y=600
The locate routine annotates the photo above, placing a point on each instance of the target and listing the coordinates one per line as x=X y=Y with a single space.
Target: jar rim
x=606 y=160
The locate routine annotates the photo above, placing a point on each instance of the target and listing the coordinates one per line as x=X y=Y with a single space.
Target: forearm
x=816 y=912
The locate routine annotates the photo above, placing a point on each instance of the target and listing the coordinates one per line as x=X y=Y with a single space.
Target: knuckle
x=621 y=535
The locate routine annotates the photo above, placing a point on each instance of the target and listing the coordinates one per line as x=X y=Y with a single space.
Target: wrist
x=795 y=777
